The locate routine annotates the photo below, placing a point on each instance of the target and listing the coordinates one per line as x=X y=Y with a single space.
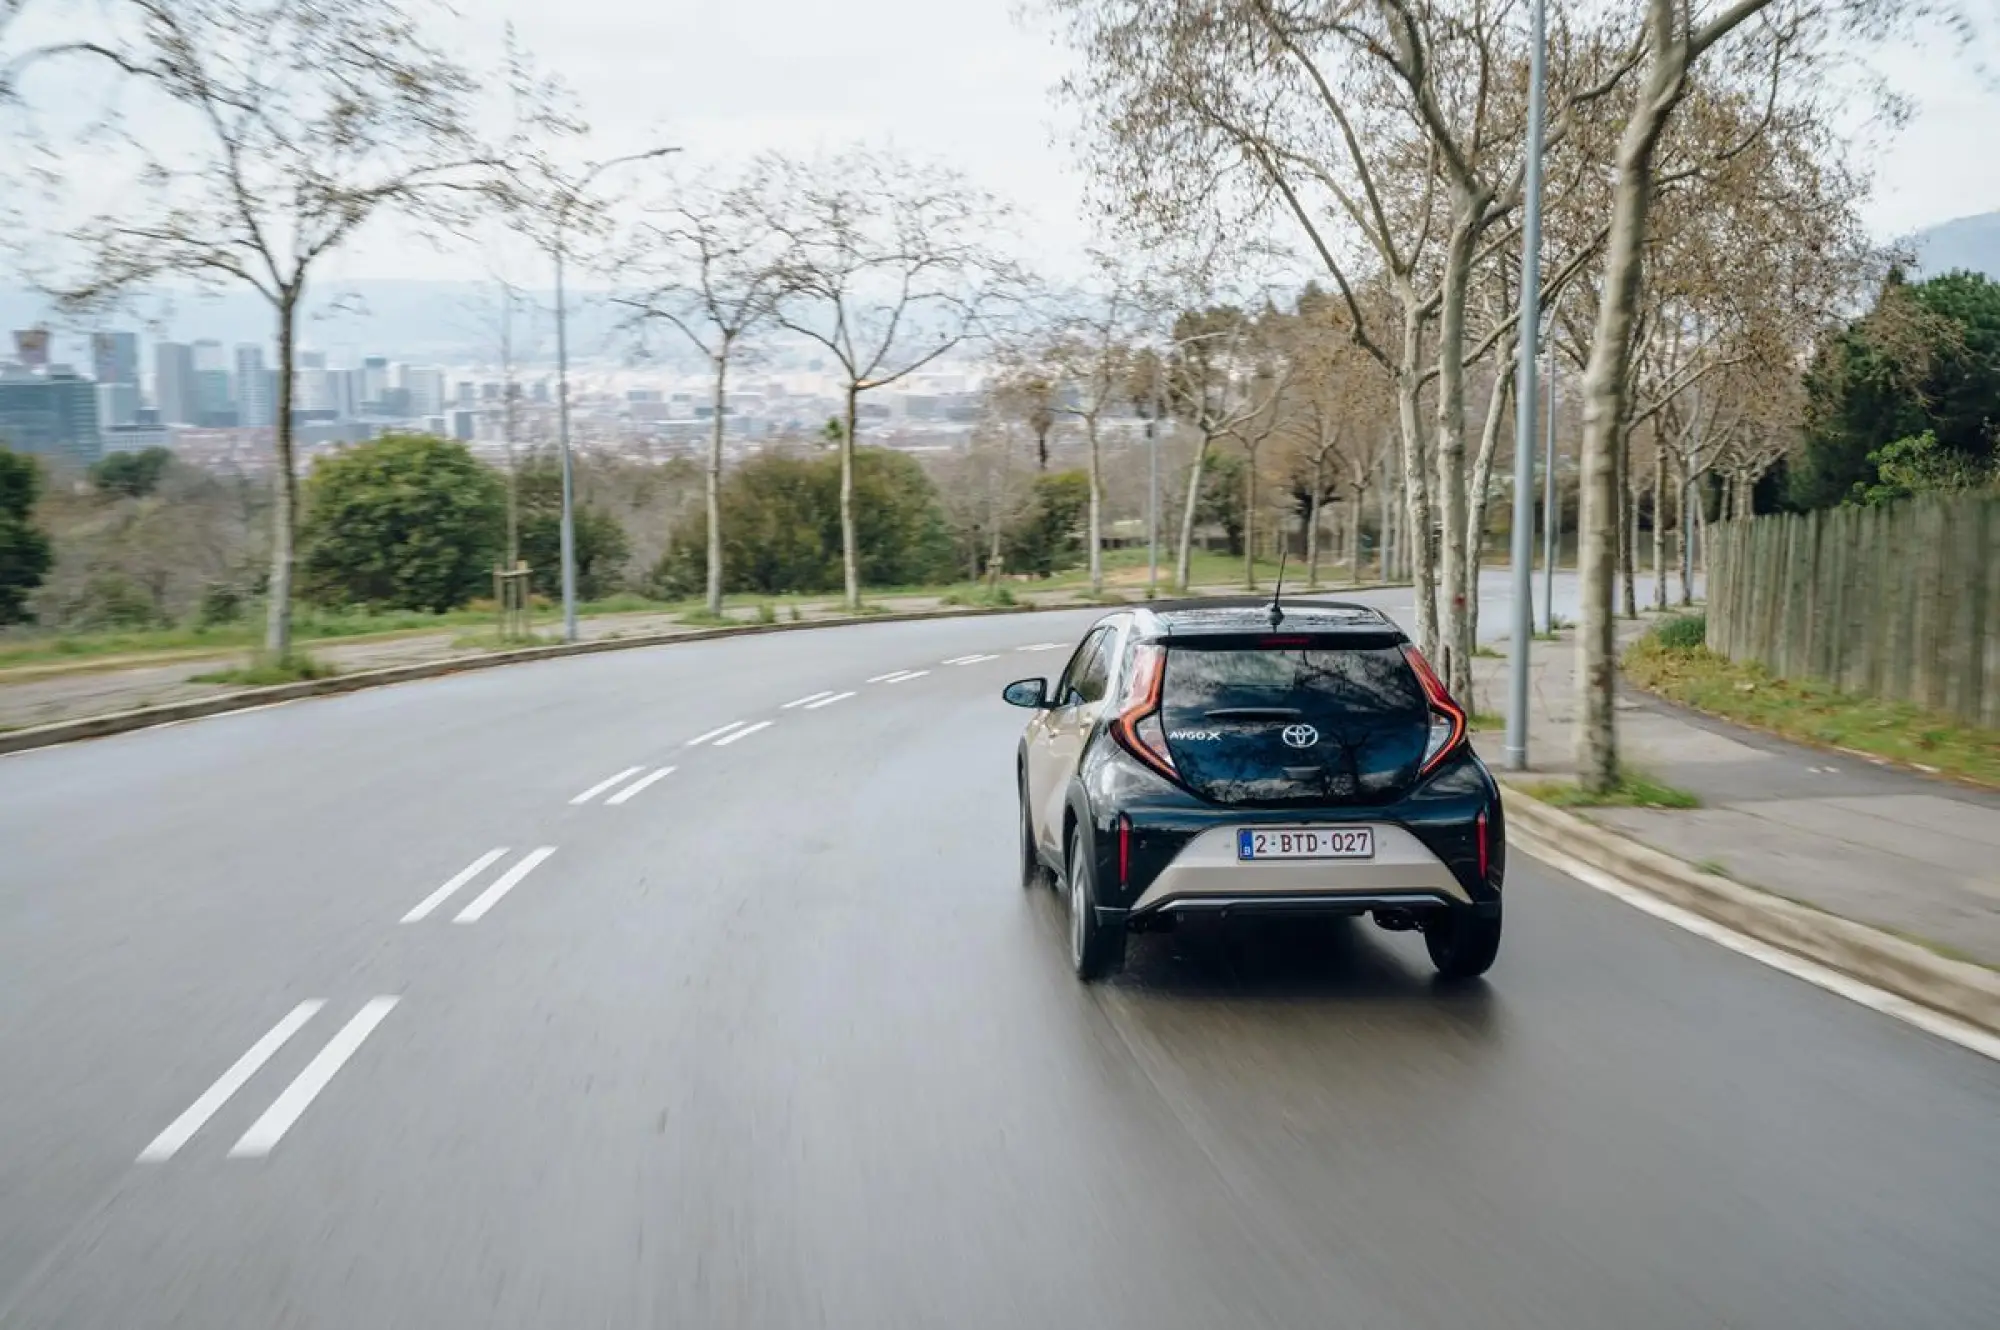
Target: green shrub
x=1683 y=632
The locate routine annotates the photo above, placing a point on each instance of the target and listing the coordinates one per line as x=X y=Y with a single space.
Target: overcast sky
x=965 y=81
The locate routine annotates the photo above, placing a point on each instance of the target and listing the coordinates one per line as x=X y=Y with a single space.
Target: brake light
x=1125 y=849
x=1480 y=824
x=1284 y=641
x=1138 y=726
x=1447 y=717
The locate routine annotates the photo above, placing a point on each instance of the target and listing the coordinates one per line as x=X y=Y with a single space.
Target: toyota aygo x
x=1236 y=756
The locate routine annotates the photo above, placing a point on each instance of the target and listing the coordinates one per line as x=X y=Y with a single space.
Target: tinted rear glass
x=1374 y=680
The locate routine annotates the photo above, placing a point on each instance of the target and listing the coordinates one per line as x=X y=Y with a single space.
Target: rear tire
x=1094 y=950
x=1463 y=944
x=1034 y=873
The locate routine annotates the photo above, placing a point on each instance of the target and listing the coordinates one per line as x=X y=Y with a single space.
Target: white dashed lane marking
x=715 y=733
x=606 y=784
x=639 y=785
x=443 y=893
x=743 y=733
x=1041 y=646
x=215 y=1096
x=269 y=1129
x=828 y=701
x=907 y=675
x=505 y=883
x=969 y=660
x=890 y=677
x=807 y=700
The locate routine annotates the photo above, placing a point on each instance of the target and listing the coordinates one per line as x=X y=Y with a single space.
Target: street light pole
x=570 y=194
x=1529 y=326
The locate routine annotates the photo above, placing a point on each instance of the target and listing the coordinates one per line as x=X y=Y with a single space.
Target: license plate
x=1306 y=843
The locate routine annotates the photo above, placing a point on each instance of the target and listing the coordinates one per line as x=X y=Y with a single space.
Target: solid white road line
x=906 y=677
x=890 y=677
x=829 y=701
x=639 y=785
x=743 y=733
x=1040 y=646
x=704 y=738
x=1833 y=981
x=807 y=700
x=443 y=893
x=506 y=882
x=604 y=785
x=201 y=1110
x=266 y=1131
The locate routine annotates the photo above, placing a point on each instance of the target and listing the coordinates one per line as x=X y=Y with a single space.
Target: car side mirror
x=1033 y=693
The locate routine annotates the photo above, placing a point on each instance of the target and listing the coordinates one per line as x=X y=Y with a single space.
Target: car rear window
x=1374 y=679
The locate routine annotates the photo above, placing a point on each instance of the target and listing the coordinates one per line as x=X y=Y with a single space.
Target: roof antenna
x=1277 y=610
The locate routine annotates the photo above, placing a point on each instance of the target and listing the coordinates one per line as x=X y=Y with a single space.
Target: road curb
x=172 y=713
x=1970 y=993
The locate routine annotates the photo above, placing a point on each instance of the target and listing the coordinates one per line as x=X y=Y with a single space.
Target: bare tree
x=714 y=263
x=889 y=265
x=1208 y=389
x=1767 y=50
x=292 y=123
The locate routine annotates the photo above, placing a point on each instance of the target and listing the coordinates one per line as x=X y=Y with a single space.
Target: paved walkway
x=1891 y=848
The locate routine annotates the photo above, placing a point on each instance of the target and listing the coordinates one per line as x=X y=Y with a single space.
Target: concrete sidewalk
x=1885 y=847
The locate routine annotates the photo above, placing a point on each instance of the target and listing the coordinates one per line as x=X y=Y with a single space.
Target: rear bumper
x=1207 y=876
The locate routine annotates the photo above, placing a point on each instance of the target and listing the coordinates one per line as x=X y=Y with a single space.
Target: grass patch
x=1487 y=720
x=1712 y=867
x=1484 y=652
x=1814 y=712
x=1633 y=790
x=266 y=673
x=702 y=618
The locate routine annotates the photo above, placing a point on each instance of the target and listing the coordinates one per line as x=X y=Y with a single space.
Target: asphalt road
x=778 y=1040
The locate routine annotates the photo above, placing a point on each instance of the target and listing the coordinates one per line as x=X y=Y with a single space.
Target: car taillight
x=1125 y=849
x=1480 y=824
x=1447 y=716
x=1138 y=726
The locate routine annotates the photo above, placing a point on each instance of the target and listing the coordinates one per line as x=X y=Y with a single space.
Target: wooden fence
x=1900 y=602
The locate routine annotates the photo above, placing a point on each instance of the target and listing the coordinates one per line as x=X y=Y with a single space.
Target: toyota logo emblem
x=1300 y=736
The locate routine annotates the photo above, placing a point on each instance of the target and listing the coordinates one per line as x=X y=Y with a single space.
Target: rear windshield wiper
x=1254 y=713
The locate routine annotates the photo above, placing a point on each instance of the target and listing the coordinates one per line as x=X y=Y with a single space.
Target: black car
x=1234 y=756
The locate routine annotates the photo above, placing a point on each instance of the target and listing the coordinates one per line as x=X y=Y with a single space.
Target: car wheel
x=1463 y=944
x=1034 y=872
x=1094 y=950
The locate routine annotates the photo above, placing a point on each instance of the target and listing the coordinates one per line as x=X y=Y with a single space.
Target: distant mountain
x=1970 y=243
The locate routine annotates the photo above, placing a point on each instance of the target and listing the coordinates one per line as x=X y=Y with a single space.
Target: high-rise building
x=344 y=393
x=52 y=414
x=374 y=380
x=214 y=394
x=256 y=388
x=425 y=388
x=117 y=403
x=114 y=358
x=173 y=383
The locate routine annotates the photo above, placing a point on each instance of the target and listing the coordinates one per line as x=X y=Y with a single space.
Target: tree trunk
x=1628 y=527
x=1659 y=521
x=284 y=489
x=1482 y=484
x=713 y=485
x=1312 y=523
x=1183 y=558
x=1042 y=447
x=1416 y=555
x=850 y=559
x=1096 y=511
x=1604 y=399
x=1687 y=544
x=1455 y=633
x=1354 y=534
x=1382 y=539
x=1250 y=520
